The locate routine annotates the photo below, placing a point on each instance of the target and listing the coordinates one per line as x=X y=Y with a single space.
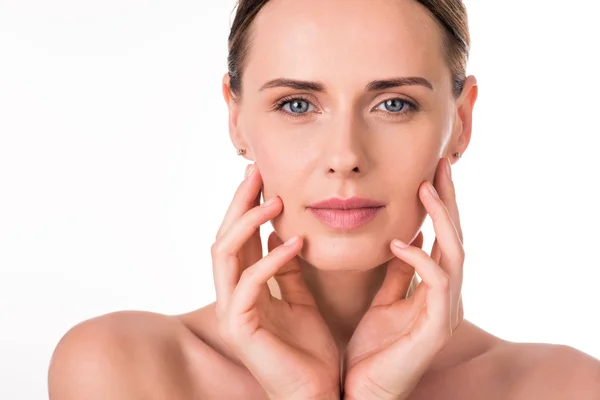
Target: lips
x=347 y=204
x=346 y=214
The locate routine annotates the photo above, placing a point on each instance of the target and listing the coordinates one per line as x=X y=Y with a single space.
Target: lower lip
x=345 y=219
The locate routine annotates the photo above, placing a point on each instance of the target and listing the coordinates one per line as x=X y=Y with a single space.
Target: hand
x=398 y=337
x=285 y=343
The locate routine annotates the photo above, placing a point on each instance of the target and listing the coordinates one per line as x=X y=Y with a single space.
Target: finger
x=436 y=252
x=446 y=190
x=254 y=279
x=451 y=253
x=289 y=277
x=246 y=197
x=435 y=286
x=226 y=263
x=457 y=312
x=398 y=278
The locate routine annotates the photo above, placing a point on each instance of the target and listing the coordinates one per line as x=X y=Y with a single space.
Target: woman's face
x=347 y=137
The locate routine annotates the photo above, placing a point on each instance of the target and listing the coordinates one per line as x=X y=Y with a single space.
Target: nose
x=345 y=149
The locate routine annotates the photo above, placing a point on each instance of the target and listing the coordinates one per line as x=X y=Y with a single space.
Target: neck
x=343 y=297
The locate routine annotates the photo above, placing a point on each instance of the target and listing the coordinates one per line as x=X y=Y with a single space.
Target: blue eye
x=299 y=106
x=395 y=105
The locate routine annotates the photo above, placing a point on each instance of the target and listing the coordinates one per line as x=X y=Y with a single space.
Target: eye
x=397 y=105
x=298 y=106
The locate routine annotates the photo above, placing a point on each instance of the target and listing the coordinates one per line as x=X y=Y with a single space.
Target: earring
x=456 y=155
x=241 y=152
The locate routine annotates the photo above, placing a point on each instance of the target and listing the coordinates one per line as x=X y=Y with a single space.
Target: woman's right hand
x=285 y=343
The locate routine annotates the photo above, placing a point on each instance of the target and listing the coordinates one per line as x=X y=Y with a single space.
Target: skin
x=335 y=301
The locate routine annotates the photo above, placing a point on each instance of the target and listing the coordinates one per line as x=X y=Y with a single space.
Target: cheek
x=283 y=159
x=285 y=174
x=403 y=173
x=281 y=172
x=405 y=165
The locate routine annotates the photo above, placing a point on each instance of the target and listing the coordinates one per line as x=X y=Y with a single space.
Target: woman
x=347 y=115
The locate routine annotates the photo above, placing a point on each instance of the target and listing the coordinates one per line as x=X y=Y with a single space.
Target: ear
x=233 y=104
x=464 y=123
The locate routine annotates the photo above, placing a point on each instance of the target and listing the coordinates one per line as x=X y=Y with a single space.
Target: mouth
x=346 y=214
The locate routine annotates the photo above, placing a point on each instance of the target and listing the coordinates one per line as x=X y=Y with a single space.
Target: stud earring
x=241 y=152
x=456 y=155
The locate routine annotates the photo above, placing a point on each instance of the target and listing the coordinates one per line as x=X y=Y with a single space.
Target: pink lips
x=346 y=213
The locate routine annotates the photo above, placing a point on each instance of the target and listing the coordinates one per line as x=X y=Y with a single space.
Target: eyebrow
x=380 y=84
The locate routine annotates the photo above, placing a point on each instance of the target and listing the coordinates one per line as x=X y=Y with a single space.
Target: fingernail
x=268 y=202
x=291 y=241
x=249 y=170
x=448 y=168
x=399 y=243
x=432 y=190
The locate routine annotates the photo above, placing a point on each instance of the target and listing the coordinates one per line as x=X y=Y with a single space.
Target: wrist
x=330 y=396
x=350 y=397
x=368 y=395
x=324 y=396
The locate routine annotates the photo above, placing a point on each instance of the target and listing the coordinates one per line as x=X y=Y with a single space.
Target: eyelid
x=410 y=106
x=413 y=106
x=400 y=97
x=306 y=97
x=278 y=106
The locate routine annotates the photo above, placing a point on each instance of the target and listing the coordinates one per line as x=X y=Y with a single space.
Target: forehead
x=338 y=41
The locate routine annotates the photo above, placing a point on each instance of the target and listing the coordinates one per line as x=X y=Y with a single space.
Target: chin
x=345 y=253
x=353 y=250
x=342 y=251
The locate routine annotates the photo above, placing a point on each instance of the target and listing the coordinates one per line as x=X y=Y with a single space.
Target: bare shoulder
x=142 y=355
x=478 y=365
x=551 y=371
x=122 y=355
x=220 y=373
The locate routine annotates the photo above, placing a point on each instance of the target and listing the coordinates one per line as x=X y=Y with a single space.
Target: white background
x=116 y=169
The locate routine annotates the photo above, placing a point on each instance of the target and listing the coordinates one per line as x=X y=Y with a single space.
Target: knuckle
x=253 y=217
x=461 y=253
x=216 y=248
x=249 y=274
x=444 y=282
x=240 y=191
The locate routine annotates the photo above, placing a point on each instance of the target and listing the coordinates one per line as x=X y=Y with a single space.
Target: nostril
x=344 y=170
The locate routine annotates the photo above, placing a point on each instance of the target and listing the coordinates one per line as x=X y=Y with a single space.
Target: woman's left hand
x=398 y=337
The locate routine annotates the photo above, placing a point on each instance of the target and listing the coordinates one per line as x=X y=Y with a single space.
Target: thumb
x=289 y=277
x=398 y=278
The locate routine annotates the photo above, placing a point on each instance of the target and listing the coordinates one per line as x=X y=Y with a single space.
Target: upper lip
x=346 y=204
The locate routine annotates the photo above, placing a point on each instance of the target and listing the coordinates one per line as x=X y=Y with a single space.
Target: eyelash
x=281 y=103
